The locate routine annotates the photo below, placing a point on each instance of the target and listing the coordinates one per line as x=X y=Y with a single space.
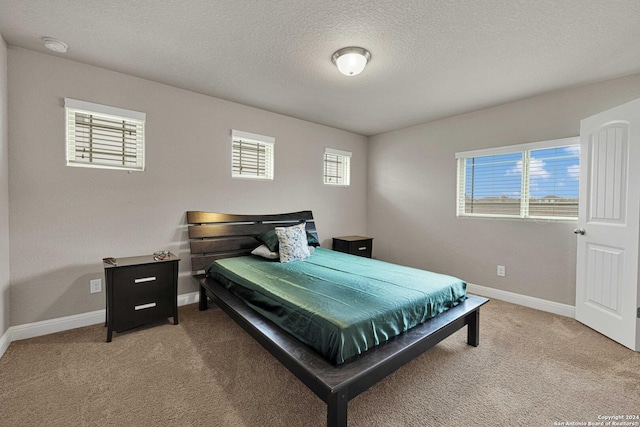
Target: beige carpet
x=531 y=369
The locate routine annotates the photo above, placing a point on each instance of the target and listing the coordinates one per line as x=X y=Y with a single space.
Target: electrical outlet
x=95 y=286
x=501 y=271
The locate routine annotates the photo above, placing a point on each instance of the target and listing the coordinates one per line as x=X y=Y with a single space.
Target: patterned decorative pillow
x=292 y=243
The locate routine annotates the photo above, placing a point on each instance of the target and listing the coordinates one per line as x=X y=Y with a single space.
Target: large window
x=337 y=167
x=251 y=155
x=104 y=137
x=536 y=180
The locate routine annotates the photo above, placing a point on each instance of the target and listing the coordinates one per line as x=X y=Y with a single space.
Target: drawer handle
x=363 y=248
x=143 y=306
x=145 y=279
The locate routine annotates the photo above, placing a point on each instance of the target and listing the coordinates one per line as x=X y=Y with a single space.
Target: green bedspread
x=340 y=305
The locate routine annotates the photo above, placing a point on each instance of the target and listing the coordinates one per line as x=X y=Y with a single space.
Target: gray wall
x=411 y=194
x=4 y=194
x=64 y=220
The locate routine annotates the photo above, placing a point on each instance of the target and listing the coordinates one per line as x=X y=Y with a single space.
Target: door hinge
x=638 y=312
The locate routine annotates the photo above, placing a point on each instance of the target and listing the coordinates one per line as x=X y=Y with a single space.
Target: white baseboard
x=527 y=301
x=4 y=342
x=51 y=326
x=190 y=298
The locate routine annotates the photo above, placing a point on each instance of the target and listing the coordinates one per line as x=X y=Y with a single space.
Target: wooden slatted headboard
x=218 y=235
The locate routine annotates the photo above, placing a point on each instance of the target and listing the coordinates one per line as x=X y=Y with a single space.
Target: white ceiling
x=430 y=58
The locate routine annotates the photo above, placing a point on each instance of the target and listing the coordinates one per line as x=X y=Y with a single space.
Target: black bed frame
x=216 y=235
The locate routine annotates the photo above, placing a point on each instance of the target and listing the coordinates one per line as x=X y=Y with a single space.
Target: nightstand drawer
x=141 y=276
x=354 y=245
x=130 y=313
x=362 y=248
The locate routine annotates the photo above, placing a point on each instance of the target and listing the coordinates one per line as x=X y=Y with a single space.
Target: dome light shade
x=55 y=45
x=351 y=60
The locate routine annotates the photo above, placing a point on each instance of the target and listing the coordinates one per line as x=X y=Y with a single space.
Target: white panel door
x=609 y=224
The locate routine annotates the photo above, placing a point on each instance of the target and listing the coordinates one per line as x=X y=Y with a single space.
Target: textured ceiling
x=430 y=58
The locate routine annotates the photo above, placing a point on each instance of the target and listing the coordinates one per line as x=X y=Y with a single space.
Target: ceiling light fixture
x=55 y=45
x=351 y=60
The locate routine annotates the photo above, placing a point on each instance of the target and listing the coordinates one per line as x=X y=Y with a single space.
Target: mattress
x=340 y=305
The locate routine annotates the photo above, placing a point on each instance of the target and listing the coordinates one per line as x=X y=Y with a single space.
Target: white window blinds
x=536 y=180
x=104 y=137
x=337 y=167
x=251 y=155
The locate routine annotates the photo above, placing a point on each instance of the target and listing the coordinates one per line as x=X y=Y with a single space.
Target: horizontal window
x=535 y=180
x=104 y=137
x=251 y=155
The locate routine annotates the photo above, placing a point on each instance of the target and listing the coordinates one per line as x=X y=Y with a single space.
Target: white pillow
x=292 y=243
x=264 y=252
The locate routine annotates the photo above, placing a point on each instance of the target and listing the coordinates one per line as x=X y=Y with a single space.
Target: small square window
x=337 y=167
x=251 y=155
x=100 y=136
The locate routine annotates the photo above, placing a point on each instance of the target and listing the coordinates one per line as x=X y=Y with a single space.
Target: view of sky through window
x=553 y=172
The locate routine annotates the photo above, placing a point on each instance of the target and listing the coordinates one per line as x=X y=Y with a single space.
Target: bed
x=334 y=375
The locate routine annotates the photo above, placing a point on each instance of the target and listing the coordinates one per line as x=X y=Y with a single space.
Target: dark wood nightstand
x=140 y=290
x=355 y=245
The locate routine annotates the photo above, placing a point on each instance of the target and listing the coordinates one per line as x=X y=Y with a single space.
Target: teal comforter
x=340 y=305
